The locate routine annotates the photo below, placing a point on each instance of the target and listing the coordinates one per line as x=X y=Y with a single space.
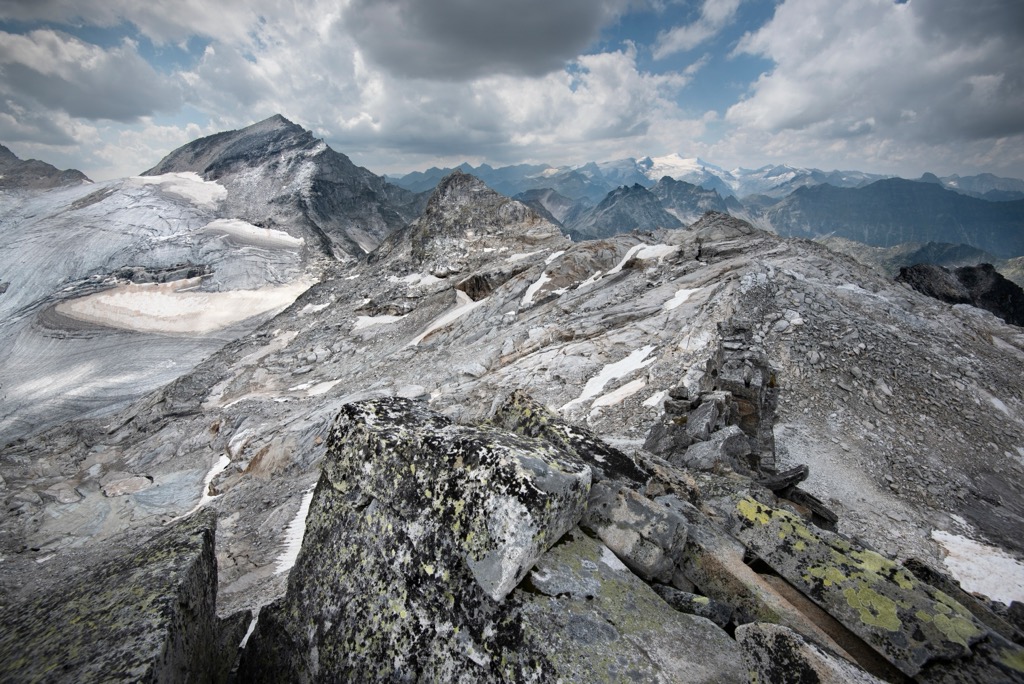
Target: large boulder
x=148 y=616
x=418 y=531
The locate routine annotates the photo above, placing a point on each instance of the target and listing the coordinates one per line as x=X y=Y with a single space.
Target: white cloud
x=49 y=70
x=886 y=80
x=714 y=16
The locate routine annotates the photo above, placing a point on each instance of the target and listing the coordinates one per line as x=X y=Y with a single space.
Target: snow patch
x=644 y=253
x=253 y=235
x=170 y=308
x=462 y=307
x=589 y=281
x=524 y=255
x=534 y=288
x=554 y=256
x=363 y=322
x=612 y=371
x=982 y=568
x=187 y=185
x=416 y=279
x=679 y=298
x=205 y=497
x=293 y=535
x=617 y=396
x=322 y=388
x=655 y=399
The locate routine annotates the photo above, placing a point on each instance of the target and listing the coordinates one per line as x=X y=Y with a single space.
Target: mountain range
x=259 y=426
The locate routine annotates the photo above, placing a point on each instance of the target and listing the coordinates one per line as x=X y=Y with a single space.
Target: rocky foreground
x=486 y=453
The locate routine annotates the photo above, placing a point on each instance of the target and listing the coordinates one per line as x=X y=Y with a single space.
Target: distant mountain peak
x=32 y=174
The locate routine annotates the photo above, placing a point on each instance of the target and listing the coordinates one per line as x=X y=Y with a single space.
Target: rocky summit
x=483 y=452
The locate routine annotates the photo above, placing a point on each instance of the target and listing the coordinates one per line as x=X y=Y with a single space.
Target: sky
x=886 y=86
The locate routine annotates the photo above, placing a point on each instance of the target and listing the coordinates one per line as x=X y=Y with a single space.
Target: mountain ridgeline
x=280 y=176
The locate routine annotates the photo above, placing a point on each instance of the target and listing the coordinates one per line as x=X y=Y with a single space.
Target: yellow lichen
x=957 y=629
x=1013 y=659
x=875 y=610
x=753 y=511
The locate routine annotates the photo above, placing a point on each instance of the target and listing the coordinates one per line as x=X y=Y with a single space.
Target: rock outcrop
x=981 y=286
x=32 y=174
x=148 y=616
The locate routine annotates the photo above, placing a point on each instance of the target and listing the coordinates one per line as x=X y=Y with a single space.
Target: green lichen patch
x=907 y=621
x=405 y=572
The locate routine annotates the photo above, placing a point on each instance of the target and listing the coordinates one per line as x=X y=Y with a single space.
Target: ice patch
x=589 y=281
x=169 y=308
x=554 y=256
x=644 y=252
x=982 y=568
x=205 y=497
x=294 y=534
x=462 y=307
x=253 y=235
x=679 y=298
x=617 y=396
x=363 y=322
x=655 y=399
x=533 y=289
x=526 y=255
x=187 y=185
x=635 y=361
x=322 y=388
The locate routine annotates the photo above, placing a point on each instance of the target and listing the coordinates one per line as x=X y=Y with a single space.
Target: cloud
x=928 y=70
x=49 y=70
x=456 y=40
x=714 y=16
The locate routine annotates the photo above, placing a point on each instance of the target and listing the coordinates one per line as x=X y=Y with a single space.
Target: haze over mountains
x=447 y=436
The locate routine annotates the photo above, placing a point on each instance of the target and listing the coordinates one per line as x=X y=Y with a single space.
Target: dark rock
x=417 y=532
x=726 y=447
x=522 y=415
x=695 y=604
x=773 y=653
x=33 y=174
x=785 y=479
x=146 y=616
x=981 y=286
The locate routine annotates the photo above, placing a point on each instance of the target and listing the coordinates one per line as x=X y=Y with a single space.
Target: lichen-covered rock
x=148 y=616
x=695 y=604
x=907 y=621
x=602 y=624
x=522 y=414
x=774 y=653
x=418 y=530
x=646 y=536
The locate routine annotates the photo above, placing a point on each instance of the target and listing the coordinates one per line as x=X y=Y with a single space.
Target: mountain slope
x=688 y=202
x=894 y=211
x=33 y=174
x=621 y=211
x=279 y=176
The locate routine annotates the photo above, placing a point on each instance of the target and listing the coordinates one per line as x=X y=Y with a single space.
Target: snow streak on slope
x=293 y=537
x=612 y=371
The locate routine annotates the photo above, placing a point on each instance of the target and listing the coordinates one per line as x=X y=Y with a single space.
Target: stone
x=523 y=415
x=418 y=531
x=646 y=536
x=695 y=604
x=600 y=623
x=726 y=447
x=145 y=616
x=128 y=485
x=907 y=621
x=702 y=421
x=773 y=653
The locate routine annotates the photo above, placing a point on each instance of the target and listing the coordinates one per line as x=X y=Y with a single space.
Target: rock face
x=32 y=174
x=148 y=616
x=622 y=210
x=688 y=202
x=981 y=286
x=279 y=176
x=417 y=533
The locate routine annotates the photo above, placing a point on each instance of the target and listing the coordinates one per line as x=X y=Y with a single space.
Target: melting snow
x=644 y=252
x=617 y=396
x=589 y=281
x=294 y=534
x=554 y=256
x=521 y=256
x=635 y=361
x=982 y=568
x=680 y=298
x=166 y=308
x=223 y=462
x=534 y=288
x=188 y=185
x=363 y=322
x=462 y=307
x=247 y=233
x=655 y=399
